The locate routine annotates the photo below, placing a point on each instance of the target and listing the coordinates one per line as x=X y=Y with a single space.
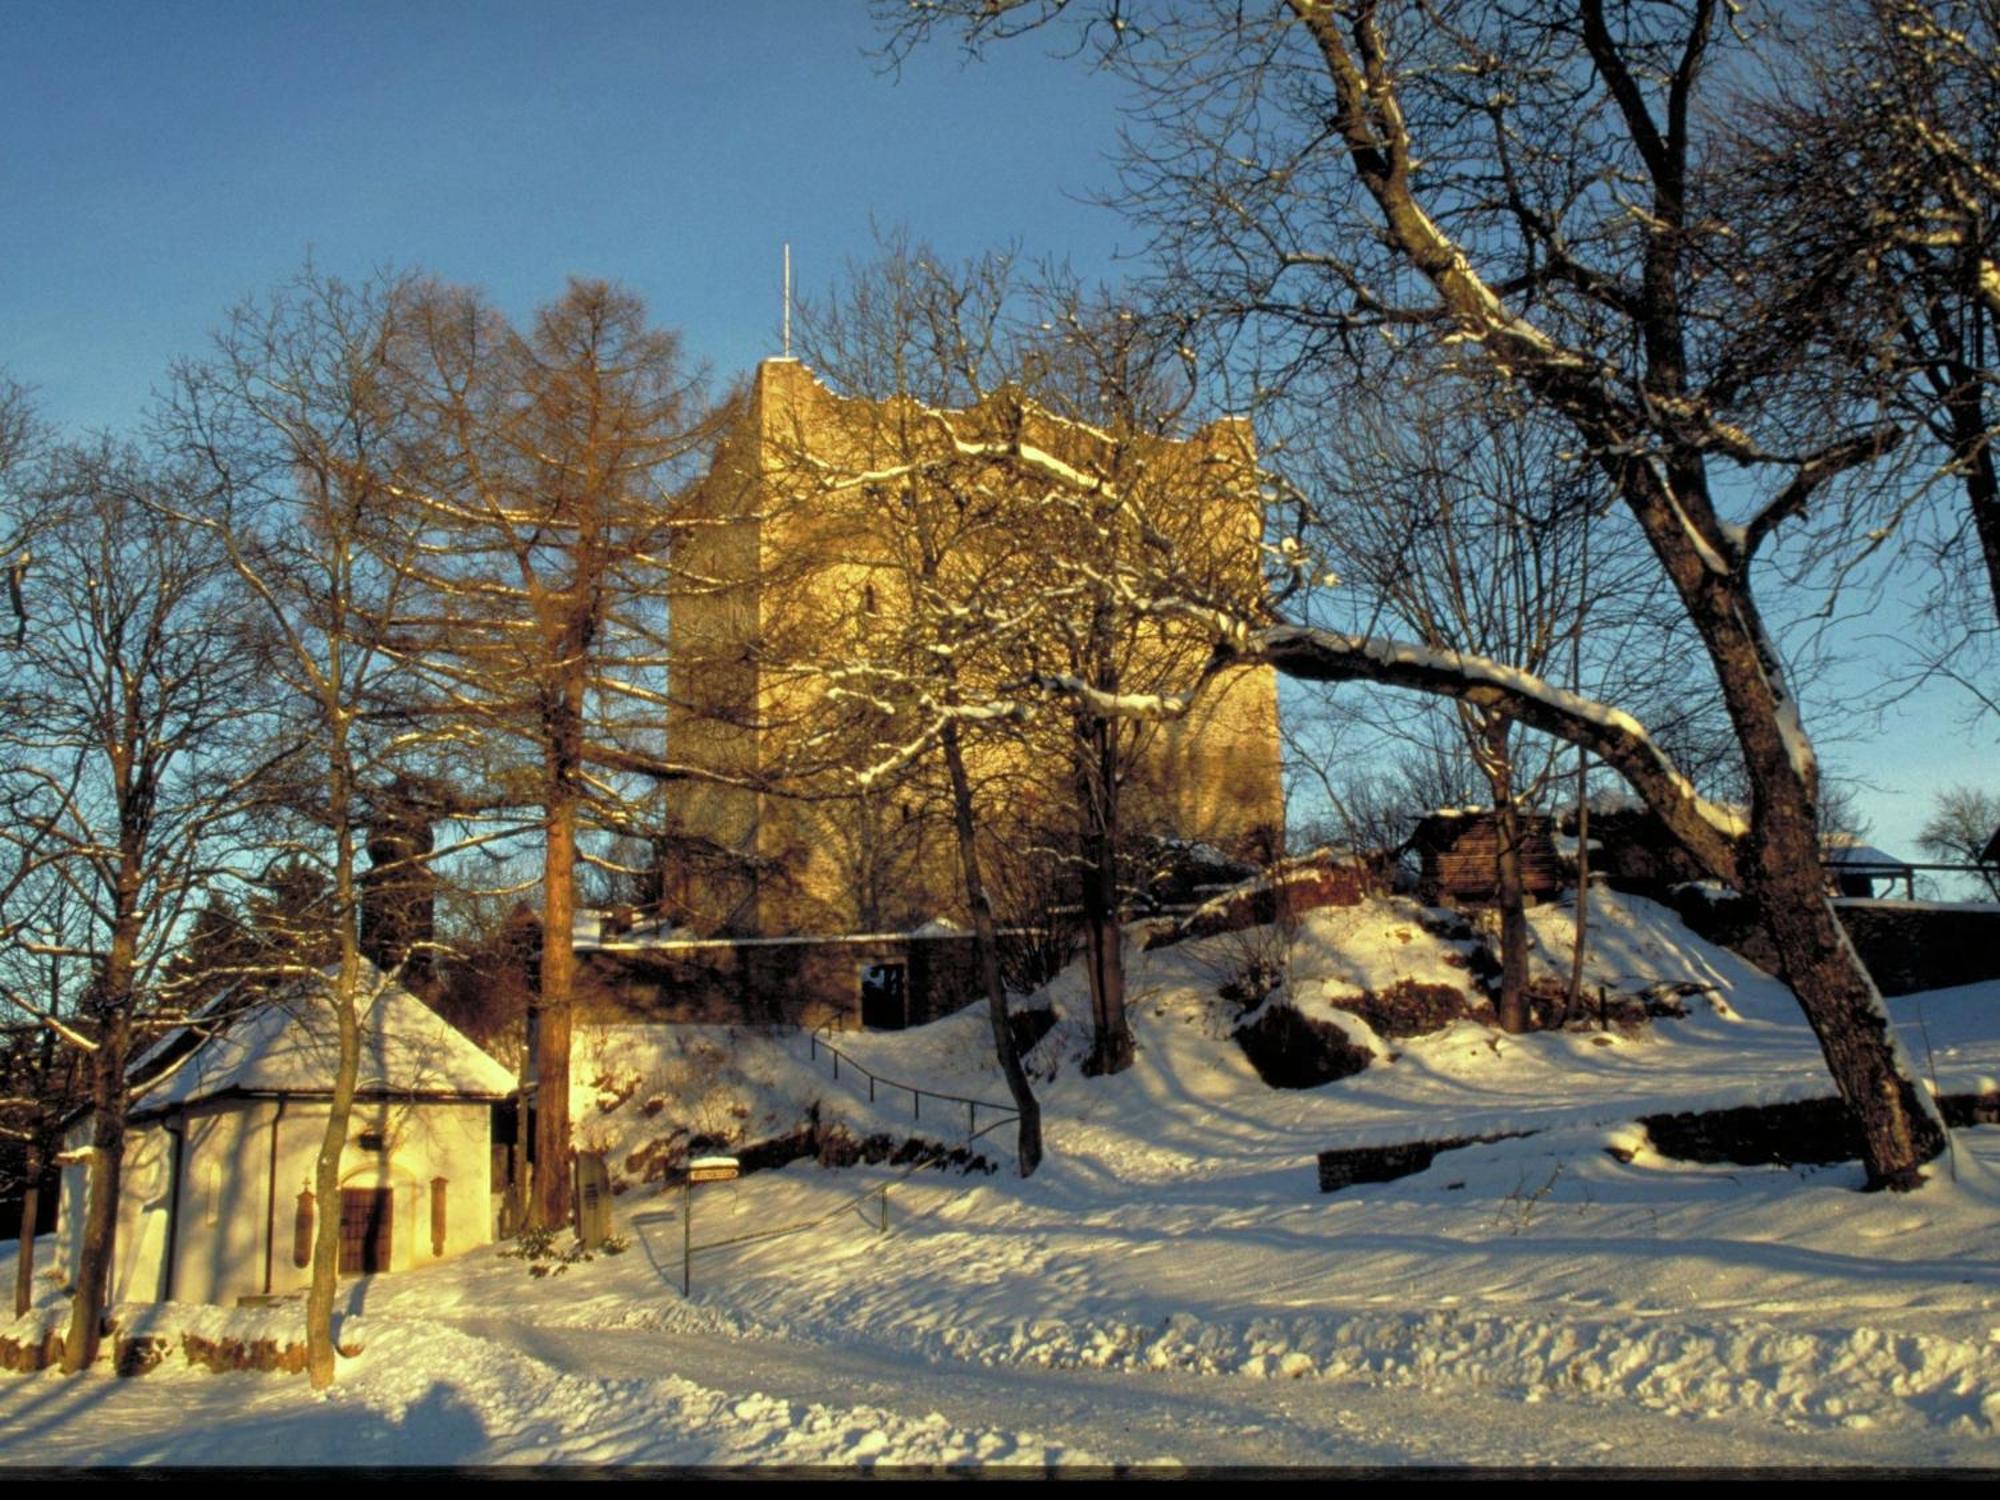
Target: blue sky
x=162 y=161
x=159 y=162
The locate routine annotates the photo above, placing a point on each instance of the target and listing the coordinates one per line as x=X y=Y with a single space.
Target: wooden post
x=31 y=1204
x=687 y=1233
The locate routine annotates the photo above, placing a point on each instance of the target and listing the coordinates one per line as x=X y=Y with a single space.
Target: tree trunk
x=1899 y=1124
x=1573 y=998
x=1778 y=868
x=1972 y=455
x=1097 y=796
x=1511 y=1006
x=320 y=1347
x=31 y=1203
x=517 y=1156
x=549 y=1205
x=1029 y=1148
x=105 y=1172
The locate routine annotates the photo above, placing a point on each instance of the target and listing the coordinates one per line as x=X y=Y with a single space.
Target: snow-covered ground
x=1171 y=1288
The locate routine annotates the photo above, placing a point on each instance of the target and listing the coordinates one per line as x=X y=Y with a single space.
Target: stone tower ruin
x=783 y=562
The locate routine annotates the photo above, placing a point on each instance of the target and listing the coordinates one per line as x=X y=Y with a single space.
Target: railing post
x=971 y=1116
x=871 y=1088
x=916 y=1104
x=836 y=1063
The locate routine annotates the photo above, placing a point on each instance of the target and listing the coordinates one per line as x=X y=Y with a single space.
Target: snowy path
x=1200 y=1420
x=510 y=1391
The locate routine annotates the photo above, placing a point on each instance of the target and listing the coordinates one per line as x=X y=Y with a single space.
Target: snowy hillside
x=1172 y=1287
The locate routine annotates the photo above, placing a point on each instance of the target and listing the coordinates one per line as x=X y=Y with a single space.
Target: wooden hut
x=1631 y=848
x=1460 y=848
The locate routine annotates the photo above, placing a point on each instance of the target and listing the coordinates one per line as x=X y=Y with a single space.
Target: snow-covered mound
x=647 y=1096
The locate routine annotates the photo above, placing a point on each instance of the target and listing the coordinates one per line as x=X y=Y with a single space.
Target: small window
x=372 y=1140
x=439 y=1219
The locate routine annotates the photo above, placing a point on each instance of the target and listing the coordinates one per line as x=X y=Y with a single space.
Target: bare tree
x=1870 y=173
x=38 y=1077
x=537 y=608
x=935 y=540
x=1053 y=438
x=1462 y=527
x=121 y=772
x=301 y=424
x=1108 y=373
x=22 y=438
x=42 y=1074
x=1352 y=184
x=1963 y=825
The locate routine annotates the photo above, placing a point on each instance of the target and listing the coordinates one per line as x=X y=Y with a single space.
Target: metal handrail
x=917 y=1095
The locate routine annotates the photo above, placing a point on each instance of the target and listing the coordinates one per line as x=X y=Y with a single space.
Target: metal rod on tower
x=788 y=299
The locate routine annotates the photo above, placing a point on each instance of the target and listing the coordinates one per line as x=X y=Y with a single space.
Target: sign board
x=712 y=1169
x=593 y=1199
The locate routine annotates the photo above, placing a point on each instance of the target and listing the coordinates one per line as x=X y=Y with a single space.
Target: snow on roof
x=591 y=928
x=203 y=1015
x=291 y=1045
x=1606 y=802
x=1847 y=849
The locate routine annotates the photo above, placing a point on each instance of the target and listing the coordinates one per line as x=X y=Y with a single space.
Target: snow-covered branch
x=1709 y=830
x=1149 y=707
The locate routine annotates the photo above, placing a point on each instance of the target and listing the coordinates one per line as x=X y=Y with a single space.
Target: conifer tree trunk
x=551 y=1189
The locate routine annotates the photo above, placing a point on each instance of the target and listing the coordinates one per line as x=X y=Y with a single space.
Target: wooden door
x=367 y=1230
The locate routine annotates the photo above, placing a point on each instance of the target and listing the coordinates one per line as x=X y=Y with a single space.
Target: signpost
x=699 y=1169
x=593 y=1199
